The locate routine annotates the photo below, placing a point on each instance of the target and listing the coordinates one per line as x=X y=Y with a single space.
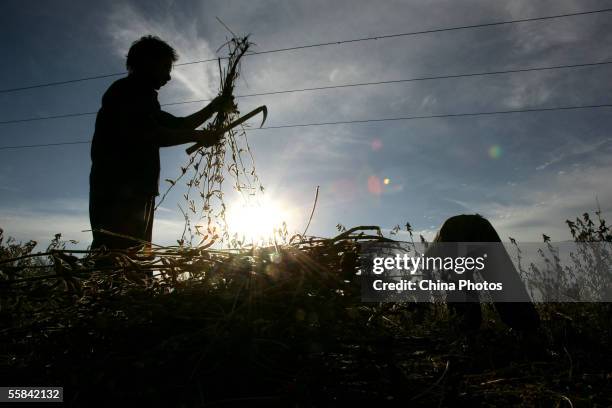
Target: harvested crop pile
x=274 y=326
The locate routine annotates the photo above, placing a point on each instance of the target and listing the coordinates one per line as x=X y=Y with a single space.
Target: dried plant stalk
x=205 y=208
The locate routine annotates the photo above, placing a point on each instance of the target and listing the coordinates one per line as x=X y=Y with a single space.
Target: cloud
x=547 y=200
x=527 y=93
x=25 y=225
x=70 y=217
x=574 y=153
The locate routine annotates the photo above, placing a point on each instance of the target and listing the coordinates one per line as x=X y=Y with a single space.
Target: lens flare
x=374 y=185
x=495 y=152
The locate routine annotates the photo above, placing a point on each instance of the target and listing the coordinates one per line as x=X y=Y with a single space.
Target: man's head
x=151 y=59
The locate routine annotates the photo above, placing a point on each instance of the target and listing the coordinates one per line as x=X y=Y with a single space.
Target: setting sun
x=256 y=222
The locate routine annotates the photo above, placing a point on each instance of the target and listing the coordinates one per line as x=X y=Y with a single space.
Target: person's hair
x=146 y=50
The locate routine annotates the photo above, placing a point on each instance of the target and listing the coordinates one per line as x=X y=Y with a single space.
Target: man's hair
x=146 y=50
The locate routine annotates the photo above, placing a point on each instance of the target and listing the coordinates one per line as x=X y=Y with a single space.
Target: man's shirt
x=124 y=152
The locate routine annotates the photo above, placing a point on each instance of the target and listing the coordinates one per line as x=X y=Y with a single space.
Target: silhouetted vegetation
x=281 y=326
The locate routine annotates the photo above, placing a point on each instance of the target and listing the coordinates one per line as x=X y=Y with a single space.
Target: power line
x=396 y=81
x=44 y=145
x=439 y=116
x=436 y=30
x=66 y=115
x=354 y=40
x=359 y=121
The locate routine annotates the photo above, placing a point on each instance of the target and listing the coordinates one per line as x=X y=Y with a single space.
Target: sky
x=527 y=173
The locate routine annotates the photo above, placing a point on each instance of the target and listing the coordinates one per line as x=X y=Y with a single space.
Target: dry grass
x=276 y=326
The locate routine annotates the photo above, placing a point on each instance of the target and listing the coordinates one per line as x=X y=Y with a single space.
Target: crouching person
x=472 y=236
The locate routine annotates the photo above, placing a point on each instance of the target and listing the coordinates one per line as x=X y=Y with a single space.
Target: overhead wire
x=361 y=121
x=323 y=44
x=320 y=88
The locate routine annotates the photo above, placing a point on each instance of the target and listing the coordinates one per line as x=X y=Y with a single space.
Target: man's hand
x=219 y=104
x=208 y=138
x=223 y=103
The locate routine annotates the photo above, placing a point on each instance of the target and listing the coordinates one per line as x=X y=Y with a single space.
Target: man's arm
x=166 y=137
x=198 y=118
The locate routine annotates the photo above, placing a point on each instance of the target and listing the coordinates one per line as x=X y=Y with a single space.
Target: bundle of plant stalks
x=205 y=210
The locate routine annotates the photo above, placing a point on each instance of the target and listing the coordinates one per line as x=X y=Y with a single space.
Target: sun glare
x=255 y=222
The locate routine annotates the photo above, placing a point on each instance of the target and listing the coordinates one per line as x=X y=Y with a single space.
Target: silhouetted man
x=130 y=129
